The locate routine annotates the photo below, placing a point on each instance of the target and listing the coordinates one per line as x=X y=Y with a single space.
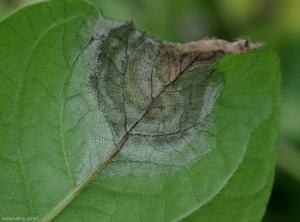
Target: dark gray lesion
x=179 y=106
x=151 y=88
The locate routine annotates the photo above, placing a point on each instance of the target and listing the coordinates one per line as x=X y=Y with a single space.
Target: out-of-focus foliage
x=271 y=21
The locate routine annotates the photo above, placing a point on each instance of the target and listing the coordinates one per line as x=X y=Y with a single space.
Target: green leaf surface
x=100 y=122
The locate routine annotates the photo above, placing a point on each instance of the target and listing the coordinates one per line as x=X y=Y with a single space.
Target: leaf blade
x=160 y=180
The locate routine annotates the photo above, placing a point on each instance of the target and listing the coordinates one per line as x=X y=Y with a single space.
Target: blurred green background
x=272 y=21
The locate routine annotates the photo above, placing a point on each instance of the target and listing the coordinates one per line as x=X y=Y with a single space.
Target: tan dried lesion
x=186 y=57
x=204 y=46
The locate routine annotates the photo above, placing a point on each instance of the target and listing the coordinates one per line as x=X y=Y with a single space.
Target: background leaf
x=55 y=134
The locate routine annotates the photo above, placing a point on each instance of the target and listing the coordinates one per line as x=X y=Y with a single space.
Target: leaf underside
x=100 y=122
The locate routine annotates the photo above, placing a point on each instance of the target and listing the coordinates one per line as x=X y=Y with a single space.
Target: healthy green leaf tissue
x=100 y=122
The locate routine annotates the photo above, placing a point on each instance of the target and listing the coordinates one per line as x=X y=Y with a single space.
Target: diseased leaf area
x=152 y=88
x=100 y=122
x=143 y=89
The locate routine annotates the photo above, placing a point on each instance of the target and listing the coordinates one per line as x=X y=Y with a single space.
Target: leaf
x=100 y=122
